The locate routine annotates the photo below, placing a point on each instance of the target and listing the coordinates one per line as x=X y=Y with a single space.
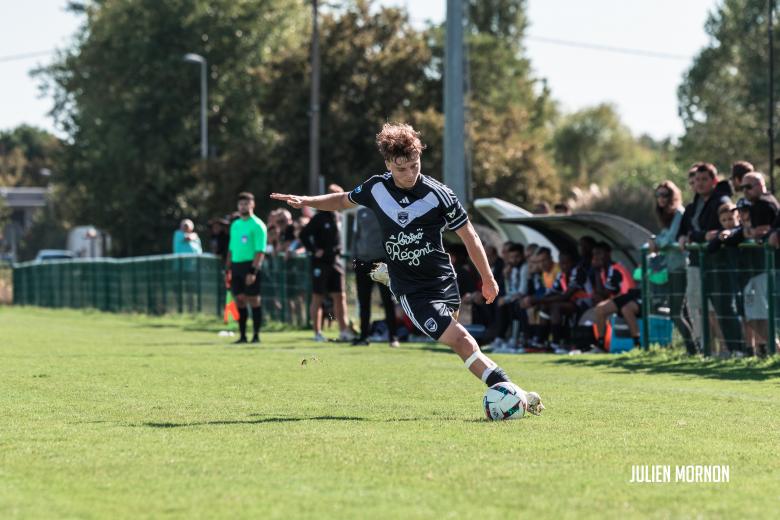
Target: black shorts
x=431 y=310
x=633 y=295
x=327 y=278
x=238 y=285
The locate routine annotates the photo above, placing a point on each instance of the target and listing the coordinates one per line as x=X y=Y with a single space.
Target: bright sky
x=643 y=88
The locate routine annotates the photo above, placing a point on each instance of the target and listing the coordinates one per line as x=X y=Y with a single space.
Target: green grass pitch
x=107 y=416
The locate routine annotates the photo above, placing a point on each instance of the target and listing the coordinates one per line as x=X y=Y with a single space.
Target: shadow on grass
x=347 y=418
x=660 y=361
x=252 y=421
x=193 y=323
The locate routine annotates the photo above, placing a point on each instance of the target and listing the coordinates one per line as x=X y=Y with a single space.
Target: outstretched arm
x=477 y=254
x=328 y=202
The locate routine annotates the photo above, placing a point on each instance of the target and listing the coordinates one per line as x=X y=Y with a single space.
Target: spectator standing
x=763 y=205
x=738 y=171
x=669 y=212
x=763 y=214
x=248 y=240
x=367 y=251
x=185 y=240
x=219 y=241
x=321 y=239
x=701 y=224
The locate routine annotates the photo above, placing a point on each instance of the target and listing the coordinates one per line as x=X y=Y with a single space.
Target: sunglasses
x=746 y=187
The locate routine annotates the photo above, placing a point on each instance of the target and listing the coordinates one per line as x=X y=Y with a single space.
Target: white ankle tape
x=486 y=373
x=473 y=357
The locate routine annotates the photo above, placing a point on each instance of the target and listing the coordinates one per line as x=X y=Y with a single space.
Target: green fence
x=722 y=301
x=158 y=285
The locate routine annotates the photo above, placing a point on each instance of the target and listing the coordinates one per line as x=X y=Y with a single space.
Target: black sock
x=600 y=343
x=636 y=341
x=242 y=316
x=497 y=376
x=257 y=318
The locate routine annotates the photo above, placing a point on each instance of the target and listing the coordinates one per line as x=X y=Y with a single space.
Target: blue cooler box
x=660 y=333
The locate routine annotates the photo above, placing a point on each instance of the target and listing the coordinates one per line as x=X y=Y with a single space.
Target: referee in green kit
x=242 y=268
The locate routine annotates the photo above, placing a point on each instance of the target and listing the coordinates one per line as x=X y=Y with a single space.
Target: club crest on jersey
x=431 y=325
x=403 y=217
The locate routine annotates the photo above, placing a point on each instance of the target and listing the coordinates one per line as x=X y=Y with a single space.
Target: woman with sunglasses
x=669 y=210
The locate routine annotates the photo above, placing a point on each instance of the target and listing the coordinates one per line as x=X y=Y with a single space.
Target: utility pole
x=204 y=94
x=314 y=108
x=454 y=109
x=771 y=113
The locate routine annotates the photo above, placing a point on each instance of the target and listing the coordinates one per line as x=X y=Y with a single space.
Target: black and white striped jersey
x=412 y=221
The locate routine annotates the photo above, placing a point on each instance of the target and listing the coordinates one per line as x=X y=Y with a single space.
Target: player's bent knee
x=458 y=339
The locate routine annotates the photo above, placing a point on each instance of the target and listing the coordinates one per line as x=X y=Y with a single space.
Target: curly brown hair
x=399 y=141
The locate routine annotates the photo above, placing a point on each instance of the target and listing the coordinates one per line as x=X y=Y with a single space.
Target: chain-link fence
x=721 y=300
x=159 y=285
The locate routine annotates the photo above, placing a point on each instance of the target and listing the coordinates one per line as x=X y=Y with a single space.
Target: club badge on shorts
x=431 y=325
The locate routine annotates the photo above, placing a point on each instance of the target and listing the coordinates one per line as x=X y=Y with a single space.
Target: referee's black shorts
x=238 y=271
x=431 y=310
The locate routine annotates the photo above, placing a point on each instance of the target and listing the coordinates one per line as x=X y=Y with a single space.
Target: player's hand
x=652 y=246
x=774 y=239
x=489 y=290
x=296 y=201
x=228 y=278
x=250 y=278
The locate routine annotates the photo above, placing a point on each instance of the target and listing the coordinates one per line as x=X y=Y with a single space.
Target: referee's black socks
x=243 y=313
x=257 y=318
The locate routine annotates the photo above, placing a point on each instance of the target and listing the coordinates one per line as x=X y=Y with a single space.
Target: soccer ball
x=504 y=401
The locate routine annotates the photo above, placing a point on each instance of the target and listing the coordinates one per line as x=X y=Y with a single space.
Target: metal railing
x=158 y=285
x=722 y=302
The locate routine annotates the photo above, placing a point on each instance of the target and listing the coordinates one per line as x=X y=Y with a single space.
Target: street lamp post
x=314 y=105
x=771 y=112
x=204 y=130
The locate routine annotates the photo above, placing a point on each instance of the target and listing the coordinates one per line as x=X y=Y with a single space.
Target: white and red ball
x=504 y=401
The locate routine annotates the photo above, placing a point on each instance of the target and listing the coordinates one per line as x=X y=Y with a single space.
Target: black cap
x=743 y=203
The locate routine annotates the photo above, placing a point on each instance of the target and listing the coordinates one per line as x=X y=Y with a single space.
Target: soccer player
x=248 y=239
x=413 y=210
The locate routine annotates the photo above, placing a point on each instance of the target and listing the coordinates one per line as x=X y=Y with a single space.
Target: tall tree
x=27 y=156
x=509 y=109
x=374 y=69
x=130 y=105
x=724 y=95
x=604 y=168
x=590 y=145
